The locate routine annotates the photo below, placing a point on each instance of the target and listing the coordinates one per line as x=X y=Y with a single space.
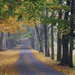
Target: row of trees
x=8 y=22
x=42 y=15
x=57 y=15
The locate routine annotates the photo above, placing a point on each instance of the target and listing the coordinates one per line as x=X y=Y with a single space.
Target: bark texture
x=59 y=39
x=39 y=39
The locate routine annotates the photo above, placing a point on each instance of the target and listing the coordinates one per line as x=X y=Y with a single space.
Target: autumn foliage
x=11 y=25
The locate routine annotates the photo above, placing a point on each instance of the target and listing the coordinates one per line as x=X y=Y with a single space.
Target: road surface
x=27 y=64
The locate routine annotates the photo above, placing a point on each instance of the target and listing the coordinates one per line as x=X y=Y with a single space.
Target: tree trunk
x=71 y=46
x=59 y=39
x=71 y=34
x=58 y=46
x=8 y=45
x=41 y=35
x=46 y=42
x=32 y=42
x=36 y=42
x=65 y=42
x=3 y=42
x=52 y=43
x=33 y=39
x=65 y=50
x=39 y=39
x=1 y=35
x=46 y=39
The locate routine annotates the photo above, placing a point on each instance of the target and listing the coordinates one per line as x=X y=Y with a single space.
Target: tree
x=4 y=42
x=1 y=34
x=32 y=38
x=52 y=43
x=71 y=33
x=39 y=39
x=65 y=41
x=58 y=38
x=46 y=38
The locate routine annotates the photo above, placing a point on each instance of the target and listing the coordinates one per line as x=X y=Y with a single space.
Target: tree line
x=65 y=30
x=41 y=15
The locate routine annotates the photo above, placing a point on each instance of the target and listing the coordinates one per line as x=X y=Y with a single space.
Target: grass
x=53 y=63
x=30 y=47
x=15 y=48
x=55 y=56
x=7 y=61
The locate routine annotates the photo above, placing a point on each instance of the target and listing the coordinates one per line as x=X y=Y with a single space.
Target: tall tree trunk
x=41 y=34
x=36 y=42
x=58 y=46
x=48 y=42
x=65 y=41
x=33 y=38
x=59 y=39
x=39 y=39
x=52 y=43
x=3 y=42
x=8 y=45
x=1 y=35
x=32 y=42
x=65 y=50
x=46 y=39
x=71 y=34
x=71 y=46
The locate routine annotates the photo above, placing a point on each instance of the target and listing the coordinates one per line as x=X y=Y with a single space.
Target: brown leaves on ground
x=53 y=63
x=18 y=47
x=7 y=61
x=29 y=46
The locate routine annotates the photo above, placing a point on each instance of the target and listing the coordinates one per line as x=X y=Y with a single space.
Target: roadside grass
x=30 y=47
x=7 y=61
x=53 y=63
x=15 y=48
